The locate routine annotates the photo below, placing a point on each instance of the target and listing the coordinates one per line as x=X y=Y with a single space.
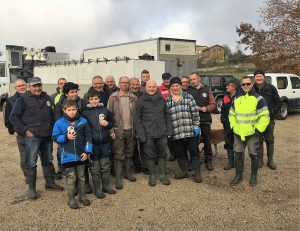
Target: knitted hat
x=175 y=80
x=259 y=71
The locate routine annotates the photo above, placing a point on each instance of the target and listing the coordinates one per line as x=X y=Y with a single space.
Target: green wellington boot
x=239 y=168
x=81 y=186
x=95 y=169
x=162 y=170
x=127 y=168
x=254 y=169
x=183 y=166
x=270 y=153
x=31 y=179
x=196 y=166
x=105 y=184
x=70 y=184
x=151 y=166
x=118 y=165
x=48 y=173
x=230 y=155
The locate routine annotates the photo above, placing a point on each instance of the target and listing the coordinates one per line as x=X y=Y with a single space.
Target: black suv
x=216 y=83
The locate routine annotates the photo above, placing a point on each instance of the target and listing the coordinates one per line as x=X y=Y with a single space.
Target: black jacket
x=58 y=109
x=226 y=105
x=270 y=93
x=104 y=96
x=152 y=120
x=100 y=133
x=33 y=114
x=8 y=108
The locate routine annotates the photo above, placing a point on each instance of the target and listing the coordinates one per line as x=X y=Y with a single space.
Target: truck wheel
x=284 y=111
x=219 y=102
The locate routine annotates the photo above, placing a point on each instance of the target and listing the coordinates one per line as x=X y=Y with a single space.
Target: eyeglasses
x=246 y=84
x=124 y=82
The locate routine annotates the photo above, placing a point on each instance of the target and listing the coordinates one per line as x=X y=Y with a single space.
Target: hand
x=71 y=136
x=196 y=132
x=103 y=123
x=169 y=136
x=203 y=109
x=29 y=133
x=15 y=134
x=136 y=136
x=84 y=157
x=113 y=135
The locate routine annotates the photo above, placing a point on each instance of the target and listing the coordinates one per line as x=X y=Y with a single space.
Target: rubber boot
x=128 y=164
x=81 y=185
x=183 y=166
x=261 y=155
x=105 y=185
x=31 y=179
x=118 y=172
x=87 y=186
x=48 y=173
x=151 y=166
x=270 y=153
x=239 y=168
x=162 y=170
x=70 y=184
x=94 y=169
x=230 y=155
x=254 y=169
x=196 y=166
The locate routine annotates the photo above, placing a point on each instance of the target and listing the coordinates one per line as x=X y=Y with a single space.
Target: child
x=74 y=138
x=100 y=121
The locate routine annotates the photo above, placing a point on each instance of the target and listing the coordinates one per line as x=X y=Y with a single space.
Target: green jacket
x=248 y=113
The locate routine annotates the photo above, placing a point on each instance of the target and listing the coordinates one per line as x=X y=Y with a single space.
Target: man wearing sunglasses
x=249 y=116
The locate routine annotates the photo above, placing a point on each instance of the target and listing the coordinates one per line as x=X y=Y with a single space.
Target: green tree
x=277 y=47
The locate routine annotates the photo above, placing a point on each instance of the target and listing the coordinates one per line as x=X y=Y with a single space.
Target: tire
x=219 y=102
x=284 y=111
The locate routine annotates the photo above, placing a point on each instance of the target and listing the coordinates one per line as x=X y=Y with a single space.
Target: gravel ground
x=184 y=205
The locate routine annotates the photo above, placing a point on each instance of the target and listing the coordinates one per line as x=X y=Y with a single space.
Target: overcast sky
x=74 y=25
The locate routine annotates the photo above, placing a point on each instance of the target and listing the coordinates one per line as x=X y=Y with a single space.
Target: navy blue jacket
x=100 y=133
x=226 y=105
x=8 y=108
x=70 y=150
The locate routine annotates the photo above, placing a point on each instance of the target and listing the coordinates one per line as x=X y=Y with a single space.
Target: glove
x=196 y=132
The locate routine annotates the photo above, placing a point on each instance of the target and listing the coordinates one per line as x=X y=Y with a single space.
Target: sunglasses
x=246 y=84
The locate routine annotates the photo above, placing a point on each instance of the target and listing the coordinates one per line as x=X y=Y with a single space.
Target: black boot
x=239 y=168
x=128 y=164
x=230 y=164
x=162 y=170
x=261 y=155
x=209 y=166
x=87 y=186
x=48 y=173
x=254 y=169
x=270 y=153
x=183 y=166
x=151 y=166
x=196 y=165
x=94 y=169
x=31 y=179
x=118 y=172
x=70 y=184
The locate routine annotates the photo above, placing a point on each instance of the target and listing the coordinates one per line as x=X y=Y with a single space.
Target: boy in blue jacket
x=74 y=138
x=100 y=121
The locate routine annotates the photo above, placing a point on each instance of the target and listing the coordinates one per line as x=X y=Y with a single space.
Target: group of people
x=114 y=128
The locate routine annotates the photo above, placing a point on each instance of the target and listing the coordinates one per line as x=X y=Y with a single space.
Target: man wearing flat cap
x=270 y=93
x=231 y=86
x=32 y=116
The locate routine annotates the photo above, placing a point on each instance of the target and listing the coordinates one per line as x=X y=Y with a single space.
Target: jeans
x=34 y=145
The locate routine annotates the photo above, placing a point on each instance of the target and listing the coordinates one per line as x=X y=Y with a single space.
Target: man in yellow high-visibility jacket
x=248 y=117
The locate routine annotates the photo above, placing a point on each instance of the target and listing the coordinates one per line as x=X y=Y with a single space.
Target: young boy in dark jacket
x=74 y=138
x=100 y=121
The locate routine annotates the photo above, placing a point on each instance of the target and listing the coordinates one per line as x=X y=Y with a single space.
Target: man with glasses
x=121 y=104
x=249 y=116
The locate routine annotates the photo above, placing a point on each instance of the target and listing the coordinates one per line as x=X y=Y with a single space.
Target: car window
x=216 y=84
x=204 y=81
x=268 y=79
x=282 y=82
x=295 y=82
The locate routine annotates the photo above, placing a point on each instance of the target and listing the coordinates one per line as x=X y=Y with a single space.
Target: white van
x=288 y=86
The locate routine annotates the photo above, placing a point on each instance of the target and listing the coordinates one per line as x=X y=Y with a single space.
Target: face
x=151 y=87
x=185 y=83
x=70 y=111
x=246 y=85
x=195 y=80
x=134 y=85
x=145 y=77
x=259 y=79
x=176 y=88
x=61 y=83
x=166 y=81
x=124 y=83
x=98 y=84
x=36 y=89
x=94 y=101
x=72 y=94
x=20 y=87
x=110 y=82
x=230 y=88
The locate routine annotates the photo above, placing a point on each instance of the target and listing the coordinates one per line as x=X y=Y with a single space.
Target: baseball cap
x=34 y=80
x=166 y=75
x=233 y=81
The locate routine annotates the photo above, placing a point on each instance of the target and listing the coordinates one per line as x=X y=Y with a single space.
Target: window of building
x=167 y=47
x=295 y=82
x=282 y=82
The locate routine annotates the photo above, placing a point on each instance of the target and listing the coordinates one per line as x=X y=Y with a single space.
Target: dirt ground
x=184 y=205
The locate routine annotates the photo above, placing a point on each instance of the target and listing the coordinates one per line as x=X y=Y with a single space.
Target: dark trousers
x=181 y=145
x=138 y=157
x=155 y=147
x=205 y=134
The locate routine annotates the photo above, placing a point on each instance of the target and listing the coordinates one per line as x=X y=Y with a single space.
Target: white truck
x=288 y=86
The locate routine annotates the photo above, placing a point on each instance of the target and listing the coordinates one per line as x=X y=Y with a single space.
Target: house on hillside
x=215 y=52
x=199 y=50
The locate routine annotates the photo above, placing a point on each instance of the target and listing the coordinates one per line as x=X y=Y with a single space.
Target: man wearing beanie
x=164 y=87
x=185 y=122
x=270 y=93
x=206 y=104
